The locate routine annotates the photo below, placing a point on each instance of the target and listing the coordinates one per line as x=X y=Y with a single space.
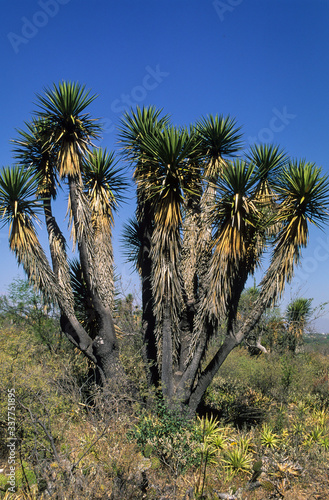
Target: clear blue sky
x=264 y=62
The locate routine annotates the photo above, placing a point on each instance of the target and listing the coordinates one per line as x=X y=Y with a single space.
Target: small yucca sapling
x=245 y=443
x=320 y=417
x=237 y=459
x=220 y=441
x=238 y=456
x=269 y=438
x=314 y=436
x=298 y=428
x=208 y=427
x=212 y=439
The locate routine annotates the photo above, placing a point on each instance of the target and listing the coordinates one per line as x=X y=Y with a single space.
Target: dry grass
x=76 y=443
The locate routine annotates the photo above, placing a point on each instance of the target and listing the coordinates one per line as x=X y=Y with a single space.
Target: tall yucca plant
x=53 y=148
x=164 y=179
x=134 y=128
x=237 y=217
x=220 y=140
x=71 y=131
x=303 y=192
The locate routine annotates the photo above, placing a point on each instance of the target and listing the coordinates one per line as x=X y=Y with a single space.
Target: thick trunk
x=103 y=260
x=148 y=319
x=204 y=238
x=102 y=351
x=83 y=232
x=236 y=289
x=84 y=235
x=189 y=264
x=187 y=380
x=167 y=355
x=105 y=345
x=106 y=353
x=185 y=340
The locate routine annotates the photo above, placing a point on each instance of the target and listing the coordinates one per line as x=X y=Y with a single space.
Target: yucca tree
x=134 y=128
x=298 y=313
x=211 y=220
x=241 y=219
x=71 y=132
x=303 y=197
x=204 y=219
x=56 y=149
x=220 y=140
x=245 y=220
x=237 y=244
x=164 y=178
x=237 y=218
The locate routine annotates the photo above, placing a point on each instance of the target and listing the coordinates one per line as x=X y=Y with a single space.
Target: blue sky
x=263 y=62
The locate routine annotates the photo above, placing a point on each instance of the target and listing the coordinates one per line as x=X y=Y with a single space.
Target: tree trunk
x=210 y=371
x=230 y=342
x=148 y=319
x=167 y=355
x=105 y=345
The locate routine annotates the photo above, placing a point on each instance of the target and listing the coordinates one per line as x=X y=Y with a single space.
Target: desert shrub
x=236 y=402
x=170 y=435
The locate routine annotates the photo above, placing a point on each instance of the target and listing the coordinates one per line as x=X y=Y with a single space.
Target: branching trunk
x=210 y=371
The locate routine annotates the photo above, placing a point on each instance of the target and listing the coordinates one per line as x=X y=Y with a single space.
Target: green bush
x=170 y=435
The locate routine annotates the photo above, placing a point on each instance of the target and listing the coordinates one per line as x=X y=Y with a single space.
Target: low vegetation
x=261 y=432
